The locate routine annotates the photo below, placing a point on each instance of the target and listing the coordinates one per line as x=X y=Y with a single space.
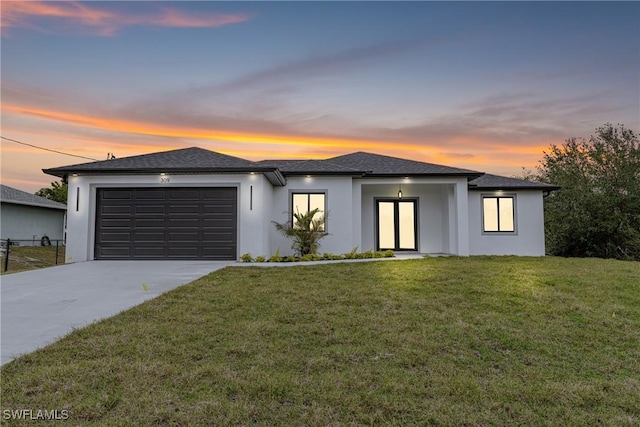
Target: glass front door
x=397 y=225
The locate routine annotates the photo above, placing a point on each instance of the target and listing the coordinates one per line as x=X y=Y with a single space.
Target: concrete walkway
x=399 y=257
x=40 y=306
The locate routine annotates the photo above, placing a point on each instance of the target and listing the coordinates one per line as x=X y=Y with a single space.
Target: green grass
x=24 y=258
x=442 y=341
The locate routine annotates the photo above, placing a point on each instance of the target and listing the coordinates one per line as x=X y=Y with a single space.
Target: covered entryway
x=166 y=223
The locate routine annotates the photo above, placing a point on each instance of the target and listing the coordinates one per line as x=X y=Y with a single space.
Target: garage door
x=166 y=223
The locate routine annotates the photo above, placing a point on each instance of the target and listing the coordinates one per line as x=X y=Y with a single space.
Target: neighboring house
x=198 y=204
x=26 y=218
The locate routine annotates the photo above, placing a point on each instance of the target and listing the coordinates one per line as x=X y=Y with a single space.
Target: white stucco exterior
x=528 y=238
x=449 y=216
x=339 y=204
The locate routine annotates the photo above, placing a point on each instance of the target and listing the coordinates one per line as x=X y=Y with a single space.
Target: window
x=305 y=202
x=498 y=214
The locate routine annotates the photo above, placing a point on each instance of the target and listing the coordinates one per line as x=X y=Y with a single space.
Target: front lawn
x=441 y=341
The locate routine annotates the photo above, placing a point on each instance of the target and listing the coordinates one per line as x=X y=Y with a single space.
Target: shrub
x=352 y=254
x=389 y=253
x=290 y=258
x=246 y=257
x=260 y=258
x=305 y=231
x=310 y=257
x=367 y=254
x=276 y=257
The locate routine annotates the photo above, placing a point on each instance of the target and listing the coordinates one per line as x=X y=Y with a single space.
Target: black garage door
x=166 y=223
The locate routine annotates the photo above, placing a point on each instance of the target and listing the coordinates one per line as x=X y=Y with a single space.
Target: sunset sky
x=481 y=85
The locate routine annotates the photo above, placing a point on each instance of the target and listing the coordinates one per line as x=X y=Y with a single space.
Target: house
x=199 y=204
x=27 y=218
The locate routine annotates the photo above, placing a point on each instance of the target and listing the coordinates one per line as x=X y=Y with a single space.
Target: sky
x=486 y=86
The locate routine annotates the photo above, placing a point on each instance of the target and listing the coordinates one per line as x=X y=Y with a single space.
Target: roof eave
x=271 y=173
x=325 y=173
x=520 y=187
x=469 y=175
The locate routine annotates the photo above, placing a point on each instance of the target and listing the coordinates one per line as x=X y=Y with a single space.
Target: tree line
x=597 y=211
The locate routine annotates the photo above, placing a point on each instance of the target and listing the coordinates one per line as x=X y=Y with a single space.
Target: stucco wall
x=253 y=207
x=22 y=222
x=528 y=240
x=450 y=217
x=339 y=202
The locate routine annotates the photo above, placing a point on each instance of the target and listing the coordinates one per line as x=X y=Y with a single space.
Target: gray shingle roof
x=377 y=164
x=319 y=167
x=199 y=160
x=185 y=160
x=496 y=182
x=193 y=158
x=19 y=197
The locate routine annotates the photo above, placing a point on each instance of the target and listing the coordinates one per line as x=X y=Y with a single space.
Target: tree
x=305 y=230
x=597 y=211
x=57 y=192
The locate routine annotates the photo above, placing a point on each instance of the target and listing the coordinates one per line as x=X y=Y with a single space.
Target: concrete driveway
x=40 y=306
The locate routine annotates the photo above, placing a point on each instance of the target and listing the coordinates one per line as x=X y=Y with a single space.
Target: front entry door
x=396 y=225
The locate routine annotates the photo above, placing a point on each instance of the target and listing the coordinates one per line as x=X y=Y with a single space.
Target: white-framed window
x=499 y=214
x=302 y=203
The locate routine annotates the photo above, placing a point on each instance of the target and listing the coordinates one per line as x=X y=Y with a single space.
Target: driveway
x=40 y=306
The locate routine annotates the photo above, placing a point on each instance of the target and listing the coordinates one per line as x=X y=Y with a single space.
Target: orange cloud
x=22 y=14
x=77 y=134
x=133 y=127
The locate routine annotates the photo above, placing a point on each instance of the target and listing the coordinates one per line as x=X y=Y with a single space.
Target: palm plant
x=306 y=230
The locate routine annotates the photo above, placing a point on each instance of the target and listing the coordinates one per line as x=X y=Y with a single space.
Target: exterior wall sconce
x=400 y=192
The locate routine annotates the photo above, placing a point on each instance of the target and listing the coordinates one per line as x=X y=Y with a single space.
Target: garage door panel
x=116 y=252
x=184 y=194
x=149 y=194
x=225 y=209
x=219 y=193
x=150 y=252
x=184 y=222
x=213 y=235
x=190 y=209
x=152 y=236
x=117 y=209
x=166 y=223
x=115 y=222
x=122 y=237
x=181 y=236
x=217 y=252
x=150 y=222
x=183 y=251
x=217 y=222
x=117 y=194
x=150 y=209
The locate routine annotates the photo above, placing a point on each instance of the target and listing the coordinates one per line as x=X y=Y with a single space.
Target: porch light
x=400 y=192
